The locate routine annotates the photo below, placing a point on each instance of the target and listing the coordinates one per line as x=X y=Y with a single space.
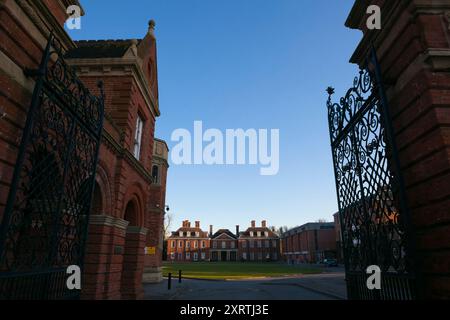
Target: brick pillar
x=133 y=264
x=153 y=260
x=413 y=47
x=103 y=260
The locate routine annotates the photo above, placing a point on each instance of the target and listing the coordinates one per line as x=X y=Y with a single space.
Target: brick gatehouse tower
x=124 y=243
x=413 y=48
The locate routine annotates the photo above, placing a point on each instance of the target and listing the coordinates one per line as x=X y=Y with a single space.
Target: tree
x=279 y=231
x=168 y=218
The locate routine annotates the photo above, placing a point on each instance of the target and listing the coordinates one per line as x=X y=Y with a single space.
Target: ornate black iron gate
x=44 y=225
x=372 y=208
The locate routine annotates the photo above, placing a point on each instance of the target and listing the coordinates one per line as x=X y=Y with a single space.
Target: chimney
x=237 y=231
x=210 y=230
x=253 y=223
x=184 y=224
x=188 y=223
x=197 y=224
x=264 y=224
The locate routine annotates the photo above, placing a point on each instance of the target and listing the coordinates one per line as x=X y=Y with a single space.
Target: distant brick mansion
x=191 y=243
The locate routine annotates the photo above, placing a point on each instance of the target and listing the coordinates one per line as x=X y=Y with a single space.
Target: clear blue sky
x=244 y=64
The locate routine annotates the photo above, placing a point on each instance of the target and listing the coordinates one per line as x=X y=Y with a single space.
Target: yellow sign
x=150 y=250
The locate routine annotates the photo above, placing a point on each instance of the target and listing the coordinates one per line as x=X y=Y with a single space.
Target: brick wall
x=307 y=244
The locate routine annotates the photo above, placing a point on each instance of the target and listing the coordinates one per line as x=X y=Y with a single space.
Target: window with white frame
x=244 y=255
x=266 y=233
x=203 y=255
x=197 y=234
x=259 y=233
x=180 y=256
x=172 y=256
x=233 y=245
x=251 y=233
x=203 y=244
x=138 y=137
x=188 y=234
x=195 y=244
x=195 y=256
x=259 y=244
x=188 y=244
x=173 y=244
x=181 y=233
x=224 y=244
x=188 y=256
x=215 y=244
x=180 y=244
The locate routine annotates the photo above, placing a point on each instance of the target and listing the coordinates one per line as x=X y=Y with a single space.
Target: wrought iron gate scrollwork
x=44 y=225
x=372 y=207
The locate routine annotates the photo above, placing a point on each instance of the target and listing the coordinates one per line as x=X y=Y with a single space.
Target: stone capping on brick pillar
x=105 y=220
x=438 y=59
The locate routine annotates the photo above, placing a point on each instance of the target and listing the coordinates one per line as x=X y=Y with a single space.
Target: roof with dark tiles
x=94 y=49
x=224 y=231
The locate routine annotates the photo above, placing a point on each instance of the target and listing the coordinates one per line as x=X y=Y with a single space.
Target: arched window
x=155 y=174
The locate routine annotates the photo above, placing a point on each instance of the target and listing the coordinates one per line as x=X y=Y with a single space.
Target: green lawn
x=234 y=270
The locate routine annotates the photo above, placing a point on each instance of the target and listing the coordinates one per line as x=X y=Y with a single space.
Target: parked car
x=329 y=262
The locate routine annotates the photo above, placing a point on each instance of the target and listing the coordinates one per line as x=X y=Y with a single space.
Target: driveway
x=326 y=286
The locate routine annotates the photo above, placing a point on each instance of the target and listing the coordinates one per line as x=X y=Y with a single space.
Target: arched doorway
x=133 y=260
x=131 y=214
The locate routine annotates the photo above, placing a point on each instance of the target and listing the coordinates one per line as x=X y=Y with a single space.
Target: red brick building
x=224 y=245
x=125 y=230
x=188 y=243
x=259 y=244
x=309 y=243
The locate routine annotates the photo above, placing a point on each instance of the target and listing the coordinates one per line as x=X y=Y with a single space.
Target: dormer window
x=266 y=233
x=259 y=233
x=197 y=234
x=251 y=233
x=138 y=137
x=181 y=233
x=188 y=234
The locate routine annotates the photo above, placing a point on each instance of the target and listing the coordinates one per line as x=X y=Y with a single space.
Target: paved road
x=326 y=286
